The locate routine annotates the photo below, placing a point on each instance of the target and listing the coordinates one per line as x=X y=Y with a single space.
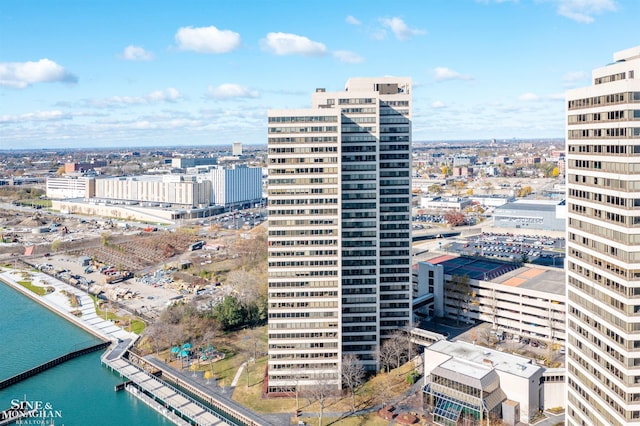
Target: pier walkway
x=173 y=399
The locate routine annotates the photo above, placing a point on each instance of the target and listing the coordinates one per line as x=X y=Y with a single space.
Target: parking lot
x=536 y=249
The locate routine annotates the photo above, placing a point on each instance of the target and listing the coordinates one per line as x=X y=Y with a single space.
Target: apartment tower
x=603 y=246
x=339 y=229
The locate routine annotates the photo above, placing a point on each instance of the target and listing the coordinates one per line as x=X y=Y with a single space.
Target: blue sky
x=142 y=73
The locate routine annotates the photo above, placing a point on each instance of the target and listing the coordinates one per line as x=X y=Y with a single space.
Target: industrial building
x=543 y=215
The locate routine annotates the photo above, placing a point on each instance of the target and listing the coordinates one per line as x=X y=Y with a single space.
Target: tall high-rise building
x=339 y=229
x=603 y=246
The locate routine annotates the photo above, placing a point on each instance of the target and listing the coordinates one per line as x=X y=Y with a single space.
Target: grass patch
x=128 y=322
x=137 y=326
x=380 y=389
x=40 y=291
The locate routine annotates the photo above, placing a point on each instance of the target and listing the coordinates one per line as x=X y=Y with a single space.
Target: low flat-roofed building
x=175 y=190
x=494 y=200
x=468 y=384
x=444 y=203
x=545 y=215
x=84 y=166
x=60 y=188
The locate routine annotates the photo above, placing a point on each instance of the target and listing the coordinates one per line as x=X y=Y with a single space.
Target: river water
x=77 y=393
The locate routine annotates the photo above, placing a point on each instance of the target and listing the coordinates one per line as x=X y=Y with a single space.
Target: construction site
x=140 y=266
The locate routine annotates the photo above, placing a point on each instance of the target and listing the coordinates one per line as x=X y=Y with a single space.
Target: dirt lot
x=163 y=267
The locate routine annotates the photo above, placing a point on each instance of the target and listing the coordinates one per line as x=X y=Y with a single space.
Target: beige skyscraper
x=603 y=246
x=339 y=229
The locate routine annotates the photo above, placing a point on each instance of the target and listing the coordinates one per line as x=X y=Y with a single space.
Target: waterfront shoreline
x=103 y=329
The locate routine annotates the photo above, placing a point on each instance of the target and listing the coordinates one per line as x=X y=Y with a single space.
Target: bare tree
x=322 y=392
x=154 y=334
x=454 y=217
x=352 y=376
x=385 y=354
x=400 y=341
x=246 y=286
x=410 y=346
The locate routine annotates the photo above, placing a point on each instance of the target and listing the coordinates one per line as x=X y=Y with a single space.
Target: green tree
x=230 y=313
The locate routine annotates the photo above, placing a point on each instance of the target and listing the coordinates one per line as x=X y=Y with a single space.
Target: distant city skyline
x=77 y=74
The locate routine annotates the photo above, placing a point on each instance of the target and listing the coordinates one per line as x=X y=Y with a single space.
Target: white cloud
x=443 y=74
x=583 y=10
x=400 y=29
x=437 y=104
x=23 y=74
x=574 y=76
x=352 y=20
x=168 y=95
x=136 y=53
x=207 y=39
x=347 y=57
x=230 y=91
x=53 y=115
x=529 y=97
x=292 y=44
